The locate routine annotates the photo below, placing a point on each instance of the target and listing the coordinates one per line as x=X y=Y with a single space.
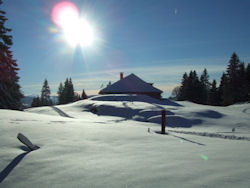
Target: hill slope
x=109 y=149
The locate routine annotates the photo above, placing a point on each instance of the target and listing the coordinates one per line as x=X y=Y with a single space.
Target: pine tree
x=190 y=88
x=224 y=91
x=194 y=87
x=10 y=95
x=84 y=96
x=45 y=94
x=60 y=93
x=68 y=94
x=65 y=92
x=36 y=102
x=242 y=81
x=248 y=81
x=183 y=89
x=71 y=93
x=205 y=87
x=213 y=95
x=233 y=78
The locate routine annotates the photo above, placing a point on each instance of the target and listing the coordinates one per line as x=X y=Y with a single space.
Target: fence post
x=163 y=121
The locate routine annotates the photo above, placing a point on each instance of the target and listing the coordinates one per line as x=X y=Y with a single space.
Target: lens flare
x=77 y=31
x=64 y=13
x=52 y=30
x=204 y=157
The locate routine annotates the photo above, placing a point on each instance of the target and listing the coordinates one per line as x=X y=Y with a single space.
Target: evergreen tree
x=45 y=94
x=190 y=88
x=213 y=95
x=10 y=95
x=65 y=91
x=36 y=102
x=205 y=87
x=71 y=93
x=234 y=86
x=224 y=91
x=84 y=96
x=248 y=81
x=194 y=87
x=60 y=93
x=242 y=81
x=183 y=89
x=68 y=94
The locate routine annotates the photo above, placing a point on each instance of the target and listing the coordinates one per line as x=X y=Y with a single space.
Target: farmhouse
x=132 y=84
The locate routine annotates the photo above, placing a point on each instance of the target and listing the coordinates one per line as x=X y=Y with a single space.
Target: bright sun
x=77 y=31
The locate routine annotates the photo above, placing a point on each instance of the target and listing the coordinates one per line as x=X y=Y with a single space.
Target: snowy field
x=111 y=141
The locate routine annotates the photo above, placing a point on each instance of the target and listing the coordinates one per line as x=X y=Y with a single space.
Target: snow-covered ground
x=111 y=141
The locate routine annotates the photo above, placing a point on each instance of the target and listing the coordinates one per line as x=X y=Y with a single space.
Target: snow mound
x=174 y=121
x=43 y=110
x=209 y=114
x=109 y=110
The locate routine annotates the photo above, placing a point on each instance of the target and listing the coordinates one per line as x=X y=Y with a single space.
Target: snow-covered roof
x=130 y=84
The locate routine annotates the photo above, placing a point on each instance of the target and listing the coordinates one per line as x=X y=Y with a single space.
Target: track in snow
x=60 y=112
x=213 y=135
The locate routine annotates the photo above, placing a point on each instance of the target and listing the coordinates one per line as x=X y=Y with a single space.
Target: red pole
x=163 y=121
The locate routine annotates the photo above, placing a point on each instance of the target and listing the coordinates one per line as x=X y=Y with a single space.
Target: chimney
x=121 y=75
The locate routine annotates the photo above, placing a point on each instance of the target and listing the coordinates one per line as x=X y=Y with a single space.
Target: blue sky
x=156 y=39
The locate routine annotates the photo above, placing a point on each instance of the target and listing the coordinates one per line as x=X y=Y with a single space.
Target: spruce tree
x=224 y=91
x=36 y=102
x=84 y=96
x=10 y=95
x=184 y=87
x=65 y=92
x=45 y=94
x=233 y=78
x=60 y=93
x=213 y=95
x=205 y=87
x=242 y=81
x=248 y=81
x=194 y=88
x=71 y=93
x=68 y=94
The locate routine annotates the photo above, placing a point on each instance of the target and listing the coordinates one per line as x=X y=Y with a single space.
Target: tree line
x=66 y=94
x=234 y=85
x=10 y=94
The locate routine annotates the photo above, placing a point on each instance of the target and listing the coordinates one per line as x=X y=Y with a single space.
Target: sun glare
x=77 y=31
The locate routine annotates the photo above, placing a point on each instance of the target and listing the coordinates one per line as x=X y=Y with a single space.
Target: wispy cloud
x=165 y=76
